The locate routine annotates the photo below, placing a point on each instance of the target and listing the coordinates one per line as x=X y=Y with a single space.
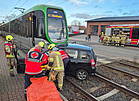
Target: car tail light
x=93 y=63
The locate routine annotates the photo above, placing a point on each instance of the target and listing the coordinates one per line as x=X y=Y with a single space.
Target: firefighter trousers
x=11 y=64
x=59 y=77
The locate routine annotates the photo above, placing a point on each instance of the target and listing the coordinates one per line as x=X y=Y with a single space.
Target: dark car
x=82 y=60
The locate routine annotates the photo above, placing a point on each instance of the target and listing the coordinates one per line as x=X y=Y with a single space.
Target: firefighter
x=102 y=35
x=108 y=40
x=117 y=40
x=113 y=39
x=104 y=39
x=57 y=66
x=34 y=60
x=9 y=48
x=123 y=40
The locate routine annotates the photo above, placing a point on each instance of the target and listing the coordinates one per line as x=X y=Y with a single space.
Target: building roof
x=114 y=19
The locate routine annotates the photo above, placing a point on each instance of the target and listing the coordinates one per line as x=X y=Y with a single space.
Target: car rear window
x=84 y=55
x=72 y=53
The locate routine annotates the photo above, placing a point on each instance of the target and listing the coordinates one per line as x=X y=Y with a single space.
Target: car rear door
x=84 y=59
x=73 y=64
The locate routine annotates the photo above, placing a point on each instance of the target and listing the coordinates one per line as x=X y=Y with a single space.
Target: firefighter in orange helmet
x=9 y=49
x=34 y=60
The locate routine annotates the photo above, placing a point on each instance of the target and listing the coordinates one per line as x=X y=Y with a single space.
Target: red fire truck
x=130 y=31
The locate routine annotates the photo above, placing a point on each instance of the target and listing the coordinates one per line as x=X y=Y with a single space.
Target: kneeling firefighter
x=34 y=60
x=9 y=48
x=57 y=66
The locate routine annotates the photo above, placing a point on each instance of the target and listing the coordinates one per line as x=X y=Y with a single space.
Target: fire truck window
x=72 y=53
x=135 y=34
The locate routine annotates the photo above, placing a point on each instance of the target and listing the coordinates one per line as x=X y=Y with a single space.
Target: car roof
x=77 y=46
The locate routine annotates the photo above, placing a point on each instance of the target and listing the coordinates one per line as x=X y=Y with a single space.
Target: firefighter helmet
x=51 y=46
x=41 y=44
x=9 y=37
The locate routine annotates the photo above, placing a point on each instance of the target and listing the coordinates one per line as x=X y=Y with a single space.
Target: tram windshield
x=56 y=25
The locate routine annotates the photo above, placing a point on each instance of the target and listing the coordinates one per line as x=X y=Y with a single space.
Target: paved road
x=129 y=53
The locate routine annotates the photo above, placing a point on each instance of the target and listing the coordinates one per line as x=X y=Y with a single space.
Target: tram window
x=39 y=24
x=56 y=25
x=135 y=34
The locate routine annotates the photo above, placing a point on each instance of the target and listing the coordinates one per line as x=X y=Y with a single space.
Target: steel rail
x=85 y=93
x=128 y=64
x=118 y=86
x=120 y=70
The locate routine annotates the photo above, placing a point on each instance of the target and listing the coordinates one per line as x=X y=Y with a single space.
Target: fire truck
x=131 y=32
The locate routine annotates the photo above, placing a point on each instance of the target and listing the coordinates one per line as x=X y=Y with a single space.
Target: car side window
x=72 y=53
x=84 y=55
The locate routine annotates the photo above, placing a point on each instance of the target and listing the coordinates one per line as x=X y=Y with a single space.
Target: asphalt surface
x=113 y=52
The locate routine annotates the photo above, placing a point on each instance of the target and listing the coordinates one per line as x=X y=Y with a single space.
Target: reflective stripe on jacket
x=34 y=60
x=8 y=48
x=56 y=58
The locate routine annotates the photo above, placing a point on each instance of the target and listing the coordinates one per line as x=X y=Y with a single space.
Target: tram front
x=56 y=26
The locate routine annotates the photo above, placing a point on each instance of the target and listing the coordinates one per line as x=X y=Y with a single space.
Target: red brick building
x=95 y=26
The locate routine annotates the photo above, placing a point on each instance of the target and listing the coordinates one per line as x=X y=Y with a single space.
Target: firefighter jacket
x=9 y=49
x=56 y=59
x=64 y=55
x=34 y=59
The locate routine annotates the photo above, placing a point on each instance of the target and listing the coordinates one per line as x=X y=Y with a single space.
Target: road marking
x=113 y=92
x=104 y=61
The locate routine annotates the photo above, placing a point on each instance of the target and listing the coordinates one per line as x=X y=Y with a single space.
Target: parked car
x=82 y=60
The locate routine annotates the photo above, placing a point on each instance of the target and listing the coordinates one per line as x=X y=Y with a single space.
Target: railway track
x=83 y=94
x=129 y=63
x=123 y=74
x=118 y=86
x=124 y=67
x=77 y=93
x=101 y=87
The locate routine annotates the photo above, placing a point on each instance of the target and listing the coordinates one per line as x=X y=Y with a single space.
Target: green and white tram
x=40 y=23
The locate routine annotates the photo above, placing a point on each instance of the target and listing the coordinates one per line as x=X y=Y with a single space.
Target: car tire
x=81 y=74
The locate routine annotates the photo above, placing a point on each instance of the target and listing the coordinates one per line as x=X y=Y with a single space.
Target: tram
x=130 y=32
x=40 y=23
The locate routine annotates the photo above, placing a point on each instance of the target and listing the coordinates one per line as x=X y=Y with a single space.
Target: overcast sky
x=80 y=10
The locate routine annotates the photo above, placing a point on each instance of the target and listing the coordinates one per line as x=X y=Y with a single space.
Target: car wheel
x=81 y=74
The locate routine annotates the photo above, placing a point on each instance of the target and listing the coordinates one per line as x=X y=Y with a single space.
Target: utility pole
x=20 y=9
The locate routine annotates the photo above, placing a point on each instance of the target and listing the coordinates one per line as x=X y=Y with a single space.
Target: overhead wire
x=13 y=7
x=13 y=11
